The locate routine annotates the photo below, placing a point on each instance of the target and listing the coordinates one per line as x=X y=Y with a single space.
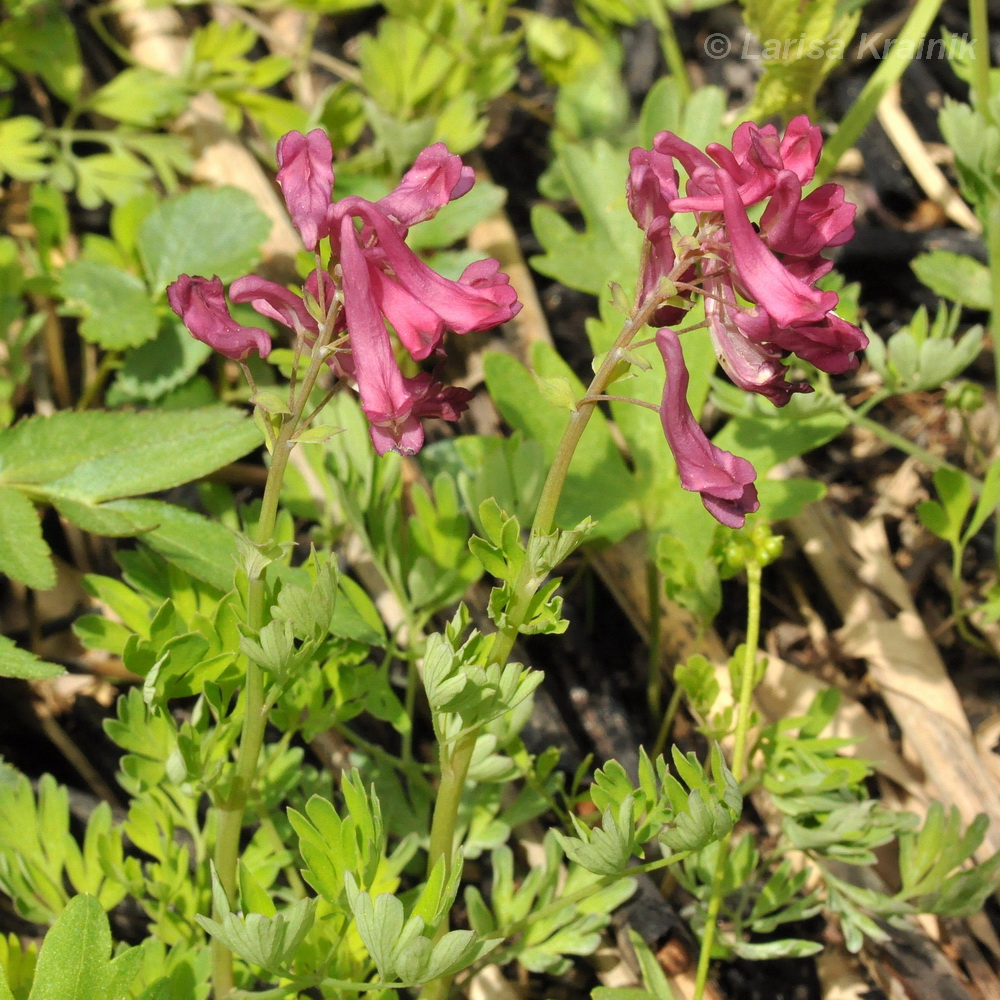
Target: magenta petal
x=767 y=281
x=385 y=399
x=652 y=185
x=305 y=176
x=802 y=227
x=752 y=365
x=436 y=178
x=273 y=301
x=481 y=298
x=201 y=304
x=725 y=481
x=800 y=148
x=417 y=325
x=831 y=345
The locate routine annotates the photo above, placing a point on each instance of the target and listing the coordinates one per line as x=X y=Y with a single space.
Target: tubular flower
x=762 y=302
x=305 y=176
x=373 y=278
x=725 y=481
x=201 y=304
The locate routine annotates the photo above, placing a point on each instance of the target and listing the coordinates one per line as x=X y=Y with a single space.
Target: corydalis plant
x=373 y=277
x=759 y=281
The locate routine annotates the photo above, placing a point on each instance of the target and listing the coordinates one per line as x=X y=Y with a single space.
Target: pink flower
x=201 y=304
x=785 y=297
x=435 y=178
x=418 y=302
x=392 y=403
x=725 y=481
x=373 y=279
x=305 y=176
x=274 y=301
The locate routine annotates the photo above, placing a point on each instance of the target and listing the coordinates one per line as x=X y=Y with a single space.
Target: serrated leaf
x=24 y=555
x=204 y=232
x=73 y=963
x=114 y=305
x=17 y=662
x=158 y=366
x=93 y=456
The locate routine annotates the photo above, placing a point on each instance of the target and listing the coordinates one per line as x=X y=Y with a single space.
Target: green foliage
x=74 y=962
x=268 y=940
x=430 y=70
x=17 y=662
x=552 y=929
x=923 y=355
x=946 y=517
x=956 y=277
x=608 y=248
x=801 y=44
x=40 y=859
x=80 y=461
x=464 y=690
x=396 y=941
x=681 y=820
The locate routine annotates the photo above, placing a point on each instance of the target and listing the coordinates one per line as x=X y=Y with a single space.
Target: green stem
x=455 y=761
x=903 y=444
x=232 y=807
x=660 y=16
x=890 y=69
x=990 y=210
x=740 y=753
x=527 y=583
x=980 y=25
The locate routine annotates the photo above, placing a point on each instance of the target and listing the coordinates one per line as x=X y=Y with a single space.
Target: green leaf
x=109 y=177
x=204 y=548
x=956 y=277
x=608 y=249
x=73 y=963
x=116 y=519
x=24 y=555
x=40 y=39
x=114 y=305
x=23 y=151
x=955 y=491
x=158 y=366
x=141 y=96
x=94 y=456
x=988 y=500
x=17 y=662
x=204 y=232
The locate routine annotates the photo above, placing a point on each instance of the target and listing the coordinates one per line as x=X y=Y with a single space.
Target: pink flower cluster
x=758 y=281
x=374 y=277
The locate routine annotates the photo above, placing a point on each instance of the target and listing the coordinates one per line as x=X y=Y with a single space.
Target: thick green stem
x=990 y=211
x=740 y=751
x=979 y=22
x=455 y=761
x=527 y=584
x=890 y=69
x=232 y=807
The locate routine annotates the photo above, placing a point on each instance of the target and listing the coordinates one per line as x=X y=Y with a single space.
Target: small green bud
x=965 y=397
